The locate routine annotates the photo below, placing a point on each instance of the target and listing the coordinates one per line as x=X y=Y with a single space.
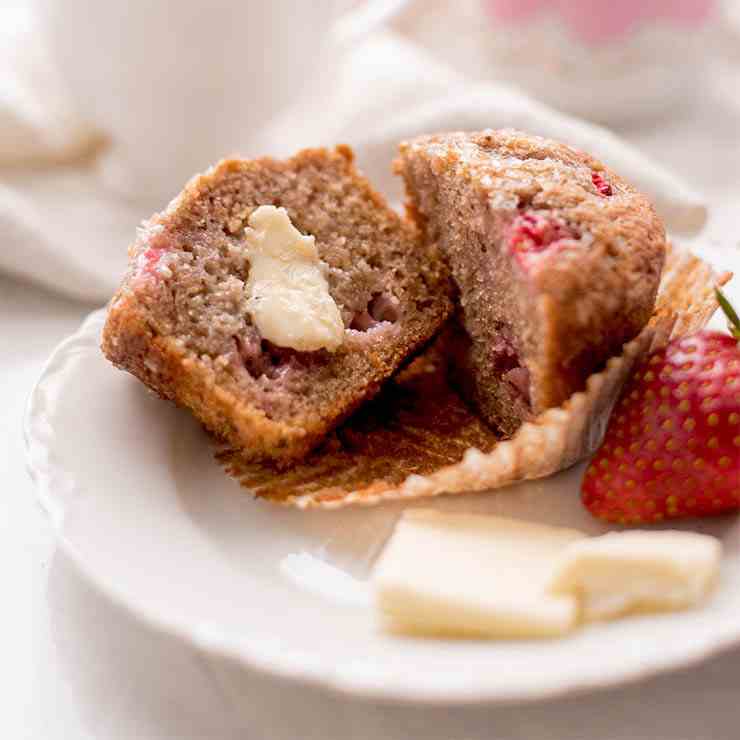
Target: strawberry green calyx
x=733 y=321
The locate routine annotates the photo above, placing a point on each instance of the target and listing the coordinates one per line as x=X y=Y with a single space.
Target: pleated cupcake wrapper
x=419 y=439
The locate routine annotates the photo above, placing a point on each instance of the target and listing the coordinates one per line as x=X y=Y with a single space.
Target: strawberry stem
x=733 y=321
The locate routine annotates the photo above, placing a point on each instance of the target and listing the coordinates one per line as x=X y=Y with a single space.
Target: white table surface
x=74 y=667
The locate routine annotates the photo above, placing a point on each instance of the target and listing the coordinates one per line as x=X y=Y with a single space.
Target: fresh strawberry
x=672 y=447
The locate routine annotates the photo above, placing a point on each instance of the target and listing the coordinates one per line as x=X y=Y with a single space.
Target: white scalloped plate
x=150 y=519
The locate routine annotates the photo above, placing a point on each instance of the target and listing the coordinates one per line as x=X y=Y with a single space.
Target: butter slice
x=472 y=576
x=637 y=571
x=287 y=292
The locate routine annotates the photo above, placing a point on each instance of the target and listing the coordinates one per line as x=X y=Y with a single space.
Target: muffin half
x=272 y=297
x=556 y=260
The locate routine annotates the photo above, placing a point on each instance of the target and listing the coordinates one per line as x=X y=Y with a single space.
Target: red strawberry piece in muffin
x=532 y=235
x=601 y=184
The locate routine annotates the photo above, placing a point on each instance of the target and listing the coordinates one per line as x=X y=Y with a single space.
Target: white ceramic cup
x=176 y=84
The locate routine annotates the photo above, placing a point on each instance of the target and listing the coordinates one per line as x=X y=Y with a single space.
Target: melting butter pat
x=287 y=292
x=637 y=571
x=472 y=576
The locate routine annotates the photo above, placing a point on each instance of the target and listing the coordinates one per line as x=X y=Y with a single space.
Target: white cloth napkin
x=62 y=229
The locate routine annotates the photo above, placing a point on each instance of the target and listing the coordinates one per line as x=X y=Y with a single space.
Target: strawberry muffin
x=272 y=297
x=555 y=258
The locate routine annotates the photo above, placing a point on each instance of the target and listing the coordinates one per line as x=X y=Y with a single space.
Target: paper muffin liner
x=418 y=438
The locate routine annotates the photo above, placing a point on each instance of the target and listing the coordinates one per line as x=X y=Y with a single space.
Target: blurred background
x=108 y=107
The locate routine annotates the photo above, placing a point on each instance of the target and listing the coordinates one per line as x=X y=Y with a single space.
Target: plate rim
x=49 y=480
